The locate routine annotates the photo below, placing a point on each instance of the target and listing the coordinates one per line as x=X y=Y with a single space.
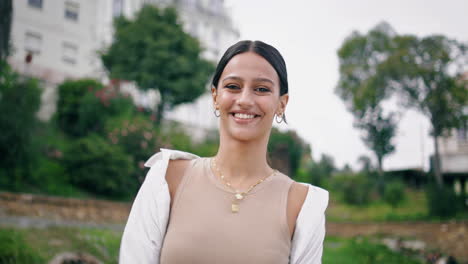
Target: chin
x=246 y=135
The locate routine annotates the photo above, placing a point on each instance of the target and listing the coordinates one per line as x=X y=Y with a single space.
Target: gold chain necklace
x=238 y=196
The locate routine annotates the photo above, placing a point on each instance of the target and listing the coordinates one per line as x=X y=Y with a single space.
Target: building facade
x=454 y=147
x=58 y=40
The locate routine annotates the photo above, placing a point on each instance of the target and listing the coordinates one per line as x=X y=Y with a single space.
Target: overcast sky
x=308 y=34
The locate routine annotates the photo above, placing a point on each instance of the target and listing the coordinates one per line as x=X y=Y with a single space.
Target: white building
x=454 y=147
x=62 y=39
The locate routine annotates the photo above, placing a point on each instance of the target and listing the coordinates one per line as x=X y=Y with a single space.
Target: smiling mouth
x=244 y=116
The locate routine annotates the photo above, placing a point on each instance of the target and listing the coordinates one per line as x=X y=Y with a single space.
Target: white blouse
x=146 y=225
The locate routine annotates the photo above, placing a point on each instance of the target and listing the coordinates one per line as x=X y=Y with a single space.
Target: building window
x=69 y=53
x=463 y=132
x=117 y=8
x=72 y=10
x=35 y=3
x=33 y=42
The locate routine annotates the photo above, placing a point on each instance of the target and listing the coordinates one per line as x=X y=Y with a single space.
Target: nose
x=245 y=99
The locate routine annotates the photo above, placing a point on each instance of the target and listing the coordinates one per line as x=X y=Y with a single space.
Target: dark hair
x=268 y=52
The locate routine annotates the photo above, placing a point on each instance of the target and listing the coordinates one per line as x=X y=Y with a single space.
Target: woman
x=231 y=208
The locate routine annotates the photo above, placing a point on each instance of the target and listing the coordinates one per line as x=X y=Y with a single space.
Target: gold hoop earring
x=281 y=116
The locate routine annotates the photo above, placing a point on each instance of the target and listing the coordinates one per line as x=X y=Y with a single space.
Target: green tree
x=363 y=88
x=6 y=10
x=155 y=52
x=286 y=150
x=19 y=102
x=366 y=164
x=427 y=73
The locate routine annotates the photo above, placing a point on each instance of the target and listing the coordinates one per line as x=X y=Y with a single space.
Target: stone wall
x=63 y=209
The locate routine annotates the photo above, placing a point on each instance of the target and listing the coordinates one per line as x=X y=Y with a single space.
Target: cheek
x=225 y=98
x=269 y=106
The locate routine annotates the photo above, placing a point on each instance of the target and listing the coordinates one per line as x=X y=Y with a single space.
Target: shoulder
x=164 y=155
x=296 y=197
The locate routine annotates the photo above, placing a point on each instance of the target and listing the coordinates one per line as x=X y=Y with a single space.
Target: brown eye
x=263 y=90
x=232 y=86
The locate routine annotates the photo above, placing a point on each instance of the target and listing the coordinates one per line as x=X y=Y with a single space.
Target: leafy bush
x=85 y=105
x=355 y=189
x=19 y=102
x=137 y=137
x=285 y=151
x=442 y=201
x=100 y=167
x=394 y=193
x=14 y=249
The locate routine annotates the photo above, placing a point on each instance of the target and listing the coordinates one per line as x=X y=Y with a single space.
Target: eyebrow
x=256 y=79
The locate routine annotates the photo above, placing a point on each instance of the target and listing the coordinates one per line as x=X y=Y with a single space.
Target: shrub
x=137 y=137
x=14 y=249
x=100 y=167
x=394 y=193
x=19 y=102
x=442 y=201
x=84 y=106
x=356 y=189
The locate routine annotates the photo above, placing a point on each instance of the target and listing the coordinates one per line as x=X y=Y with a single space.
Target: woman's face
x=248 y=98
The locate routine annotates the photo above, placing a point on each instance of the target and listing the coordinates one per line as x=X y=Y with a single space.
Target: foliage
x=19 y=101
x=286 y=150
x=137 y=137
x=426 y=74
x=6 y=11
x=321 y=170
x=15 y=249
x=442 y=201
x=394 y=193
x=100 y=167
x=103 y=243
x=363 y=88
x=413 y=208
x=355 y=189
x=360 y=250
x=366 y=163
x=85 y=105
x=158 y=55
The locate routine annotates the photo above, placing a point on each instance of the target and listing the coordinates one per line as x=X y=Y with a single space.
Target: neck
x=243 y=162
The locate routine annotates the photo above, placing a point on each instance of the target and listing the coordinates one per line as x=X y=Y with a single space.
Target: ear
x=283 y=102
x=214 y=94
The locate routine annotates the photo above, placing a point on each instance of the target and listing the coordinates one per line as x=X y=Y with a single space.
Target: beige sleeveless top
x=202 y=228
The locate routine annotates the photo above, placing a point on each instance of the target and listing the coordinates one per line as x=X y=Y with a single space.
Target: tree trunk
x=160 y=112
x=437 y=162
x=381 y=175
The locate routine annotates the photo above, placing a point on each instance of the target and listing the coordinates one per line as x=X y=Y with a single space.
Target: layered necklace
x=238 y=195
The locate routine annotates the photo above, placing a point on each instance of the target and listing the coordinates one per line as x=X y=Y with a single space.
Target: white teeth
x=243 y=116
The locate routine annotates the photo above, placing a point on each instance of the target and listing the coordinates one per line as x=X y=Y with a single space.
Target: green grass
x=360 y=251
x=41 y=245
x=414 y=208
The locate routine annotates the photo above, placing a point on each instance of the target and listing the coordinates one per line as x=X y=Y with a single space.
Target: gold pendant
x=239 y=196
x=234 y=208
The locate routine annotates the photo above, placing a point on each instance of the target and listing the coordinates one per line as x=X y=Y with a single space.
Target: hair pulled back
x=268 y=52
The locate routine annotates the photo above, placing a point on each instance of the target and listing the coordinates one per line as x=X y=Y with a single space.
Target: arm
x=144 y=231
x=307 y=243
x=146 y=225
